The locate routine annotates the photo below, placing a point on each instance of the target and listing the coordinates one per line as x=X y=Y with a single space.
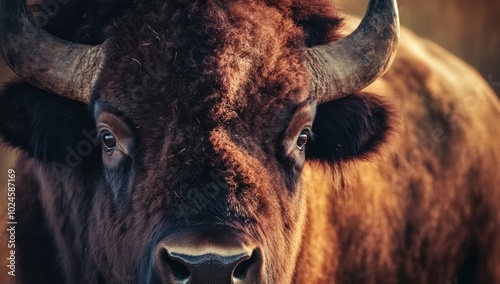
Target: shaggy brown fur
x=423 y=211
x=398 y=186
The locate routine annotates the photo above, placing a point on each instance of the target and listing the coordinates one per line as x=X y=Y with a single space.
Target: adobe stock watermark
x=48 y=9
x=455 y=281
x=11 y=222
x=436 y=138
x=151 y=81
x=493 y=83
x=201 y=197
x=124 y=276
x=75 y=155
x=42 y=13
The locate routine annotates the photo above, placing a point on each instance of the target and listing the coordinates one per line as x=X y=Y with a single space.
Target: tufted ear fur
x=349 y=128
x=45 y=126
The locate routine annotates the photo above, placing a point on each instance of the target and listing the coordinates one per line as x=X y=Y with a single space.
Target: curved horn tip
x=350 y=64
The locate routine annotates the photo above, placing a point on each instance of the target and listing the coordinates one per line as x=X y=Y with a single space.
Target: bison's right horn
x=50 y=63
x=346 y=66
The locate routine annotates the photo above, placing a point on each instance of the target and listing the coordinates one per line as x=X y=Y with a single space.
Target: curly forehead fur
x=214 y=65
x=226 y=52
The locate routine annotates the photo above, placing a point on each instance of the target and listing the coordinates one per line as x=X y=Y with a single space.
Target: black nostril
x=241 y=270
x=178 y=269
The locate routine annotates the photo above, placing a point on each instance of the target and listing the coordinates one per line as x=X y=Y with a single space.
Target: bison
x=245 y=141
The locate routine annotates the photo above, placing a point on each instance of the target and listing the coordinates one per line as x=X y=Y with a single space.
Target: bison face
x=203 y=136
x=200 y=120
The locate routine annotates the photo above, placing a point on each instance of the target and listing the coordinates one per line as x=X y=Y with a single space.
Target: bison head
x=174 y=150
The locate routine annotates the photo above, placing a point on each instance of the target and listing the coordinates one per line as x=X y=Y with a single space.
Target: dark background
x=470 y=29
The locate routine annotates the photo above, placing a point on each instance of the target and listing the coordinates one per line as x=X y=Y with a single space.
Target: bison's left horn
x=352 y=63
x=65 y=68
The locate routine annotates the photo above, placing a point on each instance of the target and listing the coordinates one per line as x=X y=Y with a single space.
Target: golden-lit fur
x=429 y=199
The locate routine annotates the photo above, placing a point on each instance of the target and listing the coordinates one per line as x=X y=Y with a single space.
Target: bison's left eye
x=302 y=139
x=109 y=142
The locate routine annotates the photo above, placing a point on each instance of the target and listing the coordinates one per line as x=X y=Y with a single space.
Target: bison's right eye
x=109 y=142
x=302 y=140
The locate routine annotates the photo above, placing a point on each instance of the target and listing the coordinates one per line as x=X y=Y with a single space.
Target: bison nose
x=208 y=257
x=216 y=268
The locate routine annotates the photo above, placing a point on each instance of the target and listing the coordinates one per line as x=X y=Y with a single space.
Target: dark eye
x=302 y=140
x=109 y=142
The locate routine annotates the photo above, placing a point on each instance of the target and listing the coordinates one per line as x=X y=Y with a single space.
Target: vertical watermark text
x=11 y=222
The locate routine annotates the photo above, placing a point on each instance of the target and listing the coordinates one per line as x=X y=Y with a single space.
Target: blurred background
x=468 y=28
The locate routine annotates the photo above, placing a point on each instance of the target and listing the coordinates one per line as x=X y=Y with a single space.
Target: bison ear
x=43 y=125
x=349 y=128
